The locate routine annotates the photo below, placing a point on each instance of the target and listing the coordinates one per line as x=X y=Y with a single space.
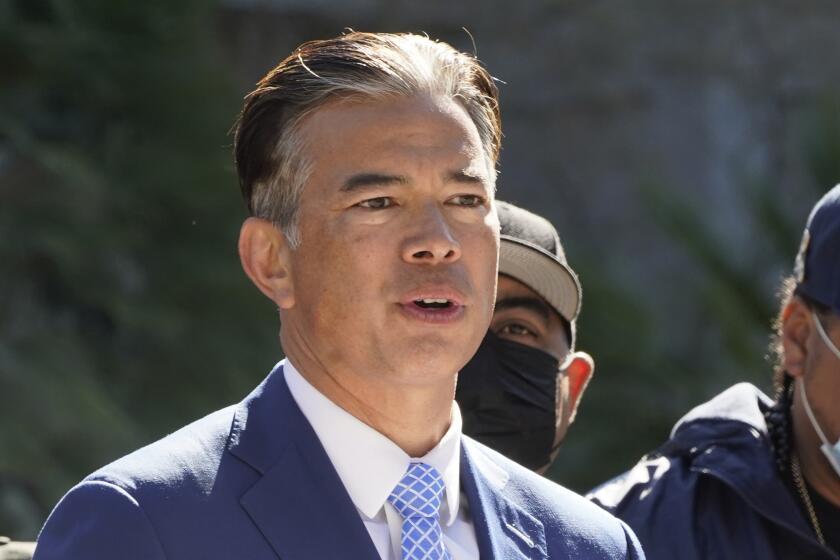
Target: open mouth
x=434 y=304
x=434 y=310
x=437 y=303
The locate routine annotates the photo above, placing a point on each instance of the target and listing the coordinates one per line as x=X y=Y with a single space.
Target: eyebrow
x=362 y=181
x=468 y=177
x=538 y=306
x=366 y=180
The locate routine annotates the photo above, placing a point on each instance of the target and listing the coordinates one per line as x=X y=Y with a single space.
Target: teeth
x=429 y=301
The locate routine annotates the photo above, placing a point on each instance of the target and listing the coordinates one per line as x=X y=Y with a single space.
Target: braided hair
x=778 y=416
x=779 y=425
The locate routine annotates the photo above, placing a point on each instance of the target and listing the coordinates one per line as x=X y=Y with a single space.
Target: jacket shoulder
x=98 y=520
x=732 y=420
x=190 y=456
x=127 y=508
x=684 y=488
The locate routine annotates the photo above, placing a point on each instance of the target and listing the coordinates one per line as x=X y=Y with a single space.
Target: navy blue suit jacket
x=252 y=481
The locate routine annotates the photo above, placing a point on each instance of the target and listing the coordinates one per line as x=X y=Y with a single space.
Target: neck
x=815 y=466
x=415 y=417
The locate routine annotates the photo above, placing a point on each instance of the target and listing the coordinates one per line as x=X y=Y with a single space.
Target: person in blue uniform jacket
x=744 y=476
x=368 y=163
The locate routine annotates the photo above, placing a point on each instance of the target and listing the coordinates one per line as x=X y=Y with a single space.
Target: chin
x=423 y=365
x=431 y=354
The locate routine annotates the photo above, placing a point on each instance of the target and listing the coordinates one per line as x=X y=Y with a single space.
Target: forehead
x=510 y=287
x=346 y=134
x=515 y=300
x=512 y=296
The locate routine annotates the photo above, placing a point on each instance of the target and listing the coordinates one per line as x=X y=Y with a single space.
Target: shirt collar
x=369 y=483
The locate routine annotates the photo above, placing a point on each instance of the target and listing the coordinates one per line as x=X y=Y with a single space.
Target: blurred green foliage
x=123 y=310
x=647 y=377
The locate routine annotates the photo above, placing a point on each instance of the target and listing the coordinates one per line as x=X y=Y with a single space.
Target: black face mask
x=507 y=395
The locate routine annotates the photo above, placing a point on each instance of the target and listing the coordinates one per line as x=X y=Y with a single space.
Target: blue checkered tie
x=417 y=499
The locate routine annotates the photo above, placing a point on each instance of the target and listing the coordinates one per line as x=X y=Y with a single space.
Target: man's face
x=396 y=271
x=522 y=316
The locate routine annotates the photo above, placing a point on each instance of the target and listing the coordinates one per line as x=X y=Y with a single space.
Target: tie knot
x=419 y=492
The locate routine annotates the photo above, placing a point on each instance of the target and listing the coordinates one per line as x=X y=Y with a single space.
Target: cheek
x=366 y=251
x=562 y=396
x=555 y=342
x=347 y=269
x=481 y=248
x=488 y=270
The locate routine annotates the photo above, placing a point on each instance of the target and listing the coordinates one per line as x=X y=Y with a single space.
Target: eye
x=378 y=203
x=468 y=200
x=516 y=329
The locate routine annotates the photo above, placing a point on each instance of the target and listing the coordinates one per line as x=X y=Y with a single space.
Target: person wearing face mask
x=744 y=476
x=519 y=393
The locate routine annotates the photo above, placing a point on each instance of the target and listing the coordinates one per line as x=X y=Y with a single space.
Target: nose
x=432 y=240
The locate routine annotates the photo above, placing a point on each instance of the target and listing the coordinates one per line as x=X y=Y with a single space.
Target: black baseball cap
x=817 y=268
x=530 y=252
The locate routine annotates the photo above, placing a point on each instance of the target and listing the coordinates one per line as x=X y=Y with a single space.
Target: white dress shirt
x=370 y=466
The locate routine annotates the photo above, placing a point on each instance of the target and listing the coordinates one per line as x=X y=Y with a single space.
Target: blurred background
x=677 y=145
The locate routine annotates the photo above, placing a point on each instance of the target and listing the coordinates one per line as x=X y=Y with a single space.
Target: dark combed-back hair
x=270 y=159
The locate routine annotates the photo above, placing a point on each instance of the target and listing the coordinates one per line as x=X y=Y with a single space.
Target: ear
x=265 y=256
x=579 y=372
x=576 y=375
x=796 y=329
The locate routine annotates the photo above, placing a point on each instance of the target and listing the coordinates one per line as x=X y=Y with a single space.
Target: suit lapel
x=503 y=529
x=299 y=503
x=302 y=508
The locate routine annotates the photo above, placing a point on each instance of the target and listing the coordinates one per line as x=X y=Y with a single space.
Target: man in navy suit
x=368 y=165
